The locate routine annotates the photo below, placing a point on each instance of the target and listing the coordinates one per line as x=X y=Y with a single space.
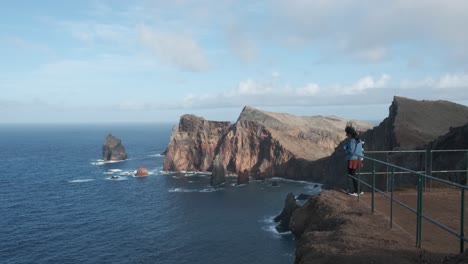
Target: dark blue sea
x=58 y=203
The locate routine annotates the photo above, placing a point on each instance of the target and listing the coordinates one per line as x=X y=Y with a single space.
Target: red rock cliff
x=263 y=143
x=192 y=144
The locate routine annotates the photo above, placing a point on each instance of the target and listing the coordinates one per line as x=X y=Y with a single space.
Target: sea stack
x=113 y=150
x=218 y=175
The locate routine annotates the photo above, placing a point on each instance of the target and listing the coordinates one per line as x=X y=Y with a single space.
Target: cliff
x=410 y=125
x=333 y=227
x=193 y=143
x=413 y=124
x=456 y=138
x=260 y=143
x=113 y=149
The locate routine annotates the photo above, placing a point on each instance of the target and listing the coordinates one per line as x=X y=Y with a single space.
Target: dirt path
x=443 y=205
x=363 y=237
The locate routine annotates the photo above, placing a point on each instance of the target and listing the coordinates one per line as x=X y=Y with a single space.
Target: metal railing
x=422 y=176
x=428 y=164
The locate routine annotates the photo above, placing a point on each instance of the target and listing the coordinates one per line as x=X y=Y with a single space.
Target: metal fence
x=422 y=177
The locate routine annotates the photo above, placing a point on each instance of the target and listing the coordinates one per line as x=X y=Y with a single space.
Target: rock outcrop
x=456 y=138
x=411 y=124
x=218 y=174
x=260 y=143
x=141 y=172
x=285 y=216
x=193 y=143
x=113 y=150
x=243 y=177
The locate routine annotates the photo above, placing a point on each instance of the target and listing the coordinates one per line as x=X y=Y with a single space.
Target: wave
x=269 y=225
x=184 y=190
x=81 y=180
x=238 y=185
x=293 y=181
x=186 y=173
x=128 y=173
x=156 y=155
x=102 y=162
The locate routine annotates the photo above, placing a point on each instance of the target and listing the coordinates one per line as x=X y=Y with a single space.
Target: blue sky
x=152 y=61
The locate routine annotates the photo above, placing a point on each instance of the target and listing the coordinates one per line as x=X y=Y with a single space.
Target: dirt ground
x=442 y=205
x=365 y=237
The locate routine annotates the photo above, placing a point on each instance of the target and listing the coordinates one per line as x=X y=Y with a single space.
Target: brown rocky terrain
x=334 y=228
x=260 y=143
x=113 y=149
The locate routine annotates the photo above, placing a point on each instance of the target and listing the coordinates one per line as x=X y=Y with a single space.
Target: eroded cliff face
x=411 y=124
x=193 y=143
x=260 y=143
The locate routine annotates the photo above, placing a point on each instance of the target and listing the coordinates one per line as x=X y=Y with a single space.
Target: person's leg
x=355 y=182
x=350 y=172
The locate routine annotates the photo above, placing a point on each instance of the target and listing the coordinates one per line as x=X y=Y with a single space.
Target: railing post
x=392 y=181
x=386 y=174
x=427 y=162
x=466 y=178
x=373 y=186
x=462 y=221
x=419 y=212
x=359 y=179
x=430 y=169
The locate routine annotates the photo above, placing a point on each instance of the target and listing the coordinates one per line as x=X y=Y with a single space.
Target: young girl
x=353 y=148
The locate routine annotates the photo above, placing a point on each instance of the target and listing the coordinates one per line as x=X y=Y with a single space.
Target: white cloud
x=176 y=49
x=368 y=90
x=308 y=90
x=363 y=84
x=452 y=80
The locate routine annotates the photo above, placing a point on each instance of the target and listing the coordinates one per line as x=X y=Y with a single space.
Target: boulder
x=113 y=150
x=141 y=172
x=289 y=207
x=243 y=177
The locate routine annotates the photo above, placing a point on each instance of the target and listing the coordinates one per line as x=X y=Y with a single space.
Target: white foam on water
x=156 y=155
x=114 y=170
x=128 y=173
x=289 y=180
x=102 y=162
x=269 y=225
x=238 y=185
x=81 y=180
x=184 y=190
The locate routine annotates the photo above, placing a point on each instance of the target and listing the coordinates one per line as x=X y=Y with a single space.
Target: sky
x=101 y=61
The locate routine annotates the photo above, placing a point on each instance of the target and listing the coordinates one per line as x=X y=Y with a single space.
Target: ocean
x=58 y=203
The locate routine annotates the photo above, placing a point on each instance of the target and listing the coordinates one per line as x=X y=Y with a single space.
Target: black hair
x=351 y=131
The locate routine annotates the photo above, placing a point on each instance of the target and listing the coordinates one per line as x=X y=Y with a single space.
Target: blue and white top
x=353 y=148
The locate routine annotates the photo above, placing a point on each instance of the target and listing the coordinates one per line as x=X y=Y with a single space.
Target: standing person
x=353 y=148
